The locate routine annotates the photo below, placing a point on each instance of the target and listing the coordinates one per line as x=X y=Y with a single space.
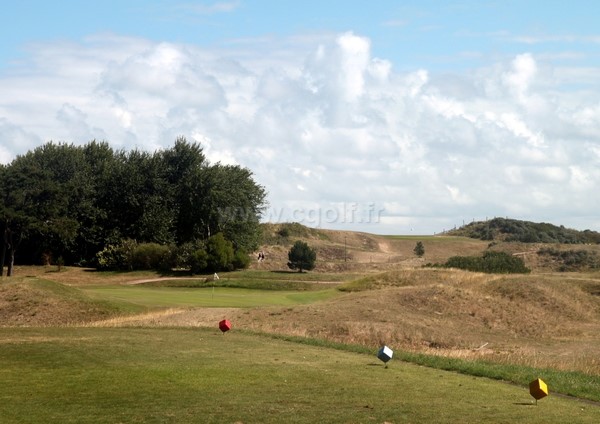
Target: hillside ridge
x=506 y=229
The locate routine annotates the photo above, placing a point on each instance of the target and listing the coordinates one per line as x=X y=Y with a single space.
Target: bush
x=419 y=249
x=220 y=253
x=198 y=261
x=241 y=259
x=116 y=257
x=217 y=254
x=151 y=256
x=572 y=260
x=490 y=262
x=129 y=255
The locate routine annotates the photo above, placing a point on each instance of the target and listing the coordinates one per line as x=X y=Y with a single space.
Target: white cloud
x=321 y=123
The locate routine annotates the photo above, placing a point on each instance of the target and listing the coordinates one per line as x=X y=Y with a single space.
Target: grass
x=242 y=283
x=204 y=297
x=551 y=320
x=110 y=375
x=571 y=383
x=31 y=301
x=431 y=238
x=290 y=276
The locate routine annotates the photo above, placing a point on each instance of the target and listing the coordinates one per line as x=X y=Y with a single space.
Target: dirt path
x=384 y=247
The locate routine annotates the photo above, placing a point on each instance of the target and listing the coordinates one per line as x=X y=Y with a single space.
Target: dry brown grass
x=29 y=302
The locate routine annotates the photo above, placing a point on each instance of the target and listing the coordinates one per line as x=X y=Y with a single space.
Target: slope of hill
x=39 y=302
x=359 y=251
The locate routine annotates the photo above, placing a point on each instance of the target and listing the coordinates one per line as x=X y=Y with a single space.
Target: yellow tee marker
x=538 y=389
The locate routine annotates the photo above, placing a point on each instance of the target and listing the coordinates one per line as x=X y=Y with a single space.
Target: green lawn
x=205 y=297
x=117 y=375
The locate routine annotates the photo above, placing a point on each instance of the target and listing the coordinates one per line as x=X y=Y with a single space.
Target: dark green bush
x=573 y=259
x=116 y=256
x=241 y=259
x=151 y=256
x=220 y=253
x=217 y=254
x=525 y=232
x=197 y=261
x=490 y=262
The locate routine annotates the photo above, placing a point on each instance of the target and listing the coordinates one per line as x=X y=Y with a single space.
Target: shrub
x=116 y=257
x=419 y=249
x=301 y=256
x=220 y=253
x=490 y=262
x=572 y=260
x=197 y=261
x=151 y=256
x=241 y=259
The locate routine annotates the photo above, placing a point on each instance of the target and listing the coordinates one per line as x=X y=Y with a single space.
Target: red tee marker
x=224 y=325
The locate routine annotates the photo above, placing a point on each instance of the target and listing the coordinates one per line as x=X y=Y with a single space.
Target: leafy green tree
x=419 y=249
x=95 y=216
x=232 y=203
x=182 y=165
x=60 y=200
x=301 y=257
x=4 y=245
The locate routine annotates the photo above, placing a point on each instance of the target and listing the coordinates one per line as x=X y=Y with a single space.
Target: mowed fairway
x=176 y=375
x=209 y=297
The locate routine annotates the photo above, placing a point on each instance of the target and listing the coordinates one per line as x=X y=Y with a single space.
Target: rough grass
x=33 y=302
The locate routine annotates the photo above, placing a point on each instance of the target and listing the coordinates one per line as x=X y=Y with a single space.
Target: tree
x=419 y=249
x=61 y=200
x=220 y=253
x=301 y=256
x=182 y=165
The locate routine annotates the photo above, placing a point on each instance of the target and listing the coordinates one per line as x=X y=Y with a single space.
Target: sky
x=390 y=117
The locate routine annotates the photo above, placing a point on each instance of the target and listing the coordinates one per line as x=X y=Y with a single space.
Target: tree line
x=78 y=205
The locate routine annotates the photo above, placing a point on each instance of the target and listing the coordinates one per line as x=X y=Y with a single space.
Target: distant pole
x=345 y=254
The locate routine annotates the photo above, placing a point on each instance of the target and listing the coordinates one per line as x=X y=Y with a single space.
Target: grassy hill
x=342 y=251
x=348 y=251
x=505 y=229
x=32 y=301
